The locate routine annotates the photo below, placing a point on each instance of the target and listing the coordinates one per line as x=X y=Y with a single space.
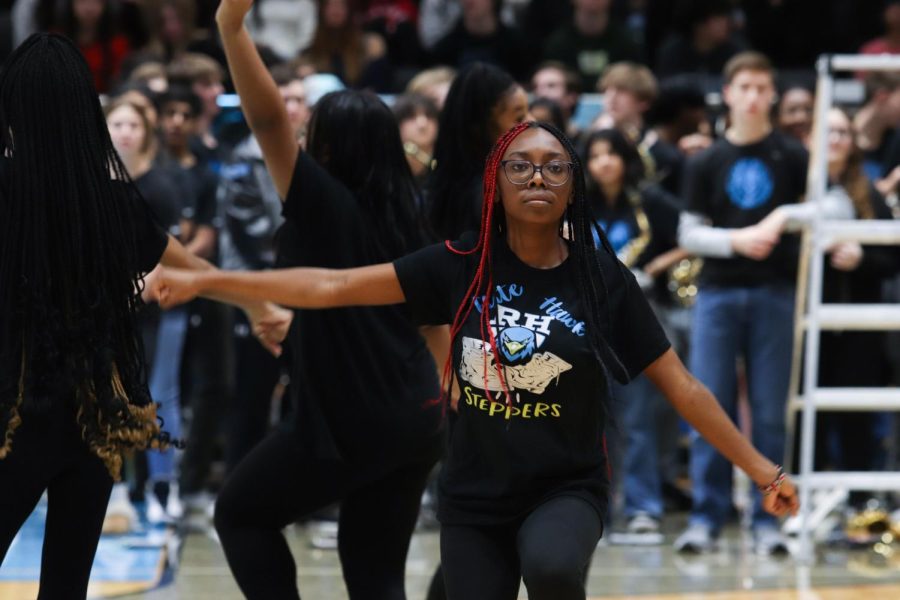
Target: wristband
x=776 y=483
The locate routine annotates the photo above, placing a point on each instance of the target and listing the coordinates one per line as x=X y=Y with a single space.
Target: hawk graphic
x=532 y=376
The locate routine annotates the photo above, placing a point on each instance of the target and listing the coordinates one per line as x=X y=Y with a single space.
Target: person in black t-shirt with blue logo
x=745 y=307
x=541 y=325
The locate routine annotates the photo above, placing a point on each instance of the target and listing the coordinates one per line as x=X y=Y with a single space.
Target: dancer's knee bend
x=552 y=576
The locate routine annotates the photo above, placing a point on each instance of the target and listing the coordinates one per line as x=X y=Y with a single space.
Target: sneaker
x=324 y=535
x=121 y=516
x=643 y=523
x=174 y=506
x=769 y=541
x=156 y=514
x=696 y=539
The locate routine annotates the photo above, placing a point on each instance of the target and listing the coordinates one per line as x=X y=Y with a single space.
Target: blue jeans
x=758 y=324
x=165 y=388
x=640 y=410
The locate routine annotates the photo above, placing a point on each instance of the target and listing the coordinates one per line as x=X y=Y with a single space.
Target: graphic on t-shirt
x=534 y=376
x=517 y=345
x=519 y=336
x=618 y=233
x=750 y=183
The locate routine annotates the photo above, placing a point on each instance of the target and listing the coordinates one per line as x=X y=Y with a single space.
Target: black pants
x=256 y=374
x=206 y=388
x=281 y=481
x=550 y=550
x=48 y=454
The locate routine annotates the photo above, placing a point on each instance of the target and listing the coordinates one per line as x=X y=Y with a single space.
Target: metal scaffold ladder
x=814 y=317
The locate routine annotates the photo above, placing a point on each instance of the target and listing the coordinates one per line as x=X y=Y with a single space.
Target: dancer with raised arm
x=540 y=325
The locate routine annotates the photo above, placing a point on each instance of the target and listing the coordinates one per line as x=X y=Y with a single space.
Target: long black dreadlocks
x=68 y=256
x=592 y=280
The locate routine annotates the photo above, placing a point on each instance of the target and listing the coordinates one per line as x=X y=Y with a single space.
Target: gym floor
x=142 y=567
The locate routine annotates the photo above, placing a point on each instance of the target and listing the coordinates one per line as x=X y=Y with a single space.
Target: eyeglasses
x=840 y=133
x=555 y=172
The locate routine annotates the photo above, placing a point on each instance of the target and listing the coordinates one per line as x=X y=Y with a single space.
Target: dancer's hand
x=150 y=293
x=270 y=324
x=784 y=501
x=176 y=286
x=230 y=14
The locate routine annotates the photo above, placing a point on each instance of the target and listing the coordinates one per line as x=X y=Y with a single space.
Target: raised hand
x=230 y=14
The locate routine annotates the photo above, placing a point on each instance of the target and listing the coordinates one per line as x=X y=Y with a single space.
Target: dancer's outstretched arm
x=301 y=287
x=261 y=101
x=271 y=321
x=701 y=409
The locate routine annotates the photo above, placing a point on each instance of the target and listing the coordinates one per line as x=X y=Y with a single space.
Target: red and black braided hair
x=592 y=281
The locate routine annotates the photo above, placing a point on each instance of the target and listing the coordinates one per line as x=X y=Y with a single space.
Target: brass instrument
x=631 y=251
x=869 y=526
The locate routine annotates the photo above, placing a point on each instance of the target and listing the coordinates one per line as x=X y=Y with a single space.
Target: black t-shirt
x=634 y=240
x=504 y=460
x=668 y=162
x=361 y=378
x=677 y=55
x=737 y=186
x=505 y=48
x=590 y=55
x=202 y=182
x=620 y=222
x=163 y=196
x=151 y=238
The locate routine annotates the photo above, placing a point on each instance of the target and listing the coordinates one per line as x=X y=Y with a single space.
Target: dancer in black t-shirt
x=363 y=432
x=539 y=327
x=75 y=240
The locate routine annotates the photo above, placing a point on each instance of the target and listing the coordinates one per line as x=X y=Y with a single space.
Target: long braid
x=588 y=269
x=68 y=256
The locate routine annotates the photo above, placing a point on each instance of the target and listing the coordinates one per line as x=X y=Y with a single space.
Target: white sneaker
x=642 y=523
x=769 y=541
x=323 y=535
x=156 y=514
x=174 y=506
x=696 y=539
x=121 y=516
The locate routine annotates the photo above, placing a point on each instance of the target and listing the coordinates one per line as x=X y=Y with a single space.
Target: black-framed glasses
x=555 y=172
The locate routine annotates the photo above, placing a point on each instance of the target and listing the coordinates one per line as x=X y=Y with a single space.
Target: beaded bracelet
x=776 y=483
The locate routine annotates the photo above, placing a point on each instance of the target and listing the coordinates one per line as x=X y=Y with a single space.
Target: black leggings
x=550 y=550
x=48 y=454
x=281 y=481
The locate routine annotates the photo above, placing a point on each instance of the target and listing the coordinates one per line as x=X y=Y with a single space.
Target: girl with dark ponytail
x=483 y=102
x=75 y=241
x=541 y=324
